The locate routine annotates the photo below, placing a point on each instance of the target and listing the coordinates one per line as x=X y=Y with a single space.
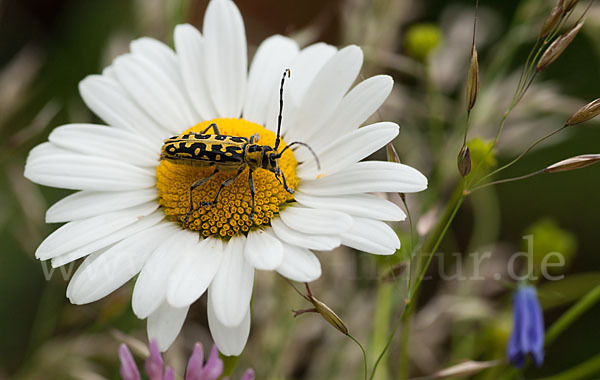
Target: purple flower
x=154 y=366
x=196 y=368
x=129 y=370
x=528 y=331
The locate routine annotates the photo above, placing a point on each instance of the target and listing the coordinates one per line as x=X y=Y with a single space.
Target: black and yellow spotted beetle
x=228 y=153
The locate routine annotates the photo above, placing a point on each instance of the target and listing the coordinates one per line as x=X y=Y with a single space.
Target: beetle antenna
x=306 y=146
x=278 y=140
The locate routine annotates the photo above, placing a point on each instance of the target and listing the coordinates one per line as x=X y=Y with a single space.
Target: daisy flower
x=127 y=217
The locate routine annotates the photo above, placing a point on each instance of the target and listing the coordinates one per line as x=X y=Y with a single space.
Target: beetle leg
x=214 y=127
x=227 y=182
x=252 y=192
x=254 y=138
x=285 y=186
x=195 y=185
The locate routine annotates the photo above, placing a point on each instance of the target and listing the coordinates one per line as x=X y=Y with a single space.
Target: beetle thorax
x=261 y=156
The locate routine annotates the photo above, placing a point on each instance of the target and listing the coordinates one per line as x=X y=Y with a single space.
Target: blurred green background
x=48 y=46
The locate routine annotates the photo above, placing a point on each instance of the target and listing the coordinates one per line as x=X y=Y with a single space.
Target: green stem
x=363 y=352
x=521 y=155
x=229 y=364
x=589 y=300
x=507 y=180
x=442 y=234
x=410 y=223
x=524 y=83
x=588 y=368
x=404 y=367
x=386 y=295
x=452 y=209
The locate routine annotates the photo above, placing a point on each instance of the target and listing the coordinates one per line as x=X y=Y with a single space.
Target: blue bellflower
x=528 y=330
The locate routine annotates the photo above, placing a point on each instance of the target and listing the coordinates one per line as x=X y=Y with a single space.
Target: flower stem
x=438 y=241
x=527 y=76
x=571 y=315
x=507 y=180
x=384 y=306
x=229 y=362
x=451 y=211
x=521 y=155
x=363 y=352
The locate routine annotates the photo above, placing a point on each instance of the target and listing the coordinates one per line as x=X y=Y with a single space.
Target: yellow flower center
x=230 y=215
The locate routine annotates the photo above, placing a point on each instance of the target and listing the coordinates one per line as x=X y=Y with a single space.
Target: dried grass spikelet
x=573 y=163
x=558 y=47
x=329 y=315
x=392 y=155
x=585 y=113
x=464 y=161
x=466 y=368
x=472 y=79
x=568 y=5
x=553 y=19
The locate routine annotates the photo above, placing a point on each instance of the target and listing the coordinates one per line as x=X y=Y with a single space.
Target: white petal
x=263 y=250
x=304 y=67
x=299 y=264
x=155 y=92
x=165 y=324
x=102 y=141
x=325 y=93
x=107 y=98
x=230 y=340
x=194 y=272
x=104 y=241
x=273 y=56
x=100 y=275
x=190 y=50
x=109 y=72
x=225 y=58
x=349 y=149
x=370 y=176
x=300 y=239
x=371 y=236
x=52 y=166
x=356 y=107
x=231 y=289
x=151 y=286
x=316 y=221
x=81 y=232
x=159 y=54
x=365 y=205
x=85 y=204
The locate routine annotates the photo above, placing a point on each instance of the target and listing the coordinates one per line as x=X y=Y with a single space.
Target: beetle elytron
x=228 y=153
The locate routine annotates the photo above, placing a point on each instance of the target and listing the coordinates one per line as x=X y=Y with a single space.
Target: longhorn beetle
x=228 y=153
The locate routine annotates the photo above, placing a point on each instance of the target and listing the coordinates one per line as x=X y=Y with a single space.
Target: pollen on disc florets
x=231 y=214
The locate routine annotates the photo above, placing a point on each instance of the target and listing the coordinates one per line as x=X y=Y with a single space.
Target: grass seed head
x=464 y=161
x=558 y=47
x=556 y=14
x=585 y=113
x=473 y=80
x=573 y=163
